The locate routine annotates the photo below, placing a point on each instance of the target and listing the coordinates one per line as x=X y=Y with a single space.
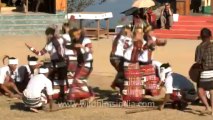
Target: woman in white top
x=83 y=48
x=70 y=54
x=121 y=42
x=55 y=46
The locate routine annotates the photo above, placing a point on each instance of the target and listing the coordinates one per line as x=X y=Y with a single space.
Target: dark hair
x=165 y=65
x=7 y=57
x=32 y=58
x=63 y=27
x=71 y=33
x=43 y=66
x=205 y=34
x=50 y=31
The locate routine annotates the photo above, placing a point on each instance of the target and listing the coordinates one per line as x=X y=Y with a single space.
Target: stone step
x=22 y=32
x=12 y=17
x=28 y=24
x=31 y=21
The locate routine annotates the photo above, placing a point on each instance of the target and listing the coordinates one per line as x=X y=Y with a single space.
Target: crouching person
x=166 y=76
x=178 y=88
x=8 y=75
x=26 y=72
x=39 y=90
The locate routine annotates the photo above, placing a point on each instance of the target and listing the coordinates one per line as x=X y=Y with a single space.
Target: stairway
x=28 y=24
x=188 y=27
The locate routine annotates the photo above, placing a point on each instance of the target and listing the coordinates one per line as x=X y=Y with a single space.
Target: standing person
x=166 y=17
x=34 y=95
x=204 y=58
x=121 y=42
x=150 y=43
x=26 y=72
x=70 y=54
x=8 y=75
x=55 y=47
x=83 y=47
x=132 y=84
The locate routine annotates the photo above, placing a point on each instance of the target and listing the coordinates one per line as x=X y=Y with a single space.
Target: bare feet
x=34 y=110
x=207 y=111
x=161 y=107
x=125 y=104
x=91 y=99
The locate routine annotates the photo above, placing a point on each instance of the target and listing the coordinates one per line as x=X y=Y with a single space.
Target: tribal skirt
x=150 y=79
x=117 y=62
x=79 y=88
x=206 y=80
x=83 y=71
x=132 y=85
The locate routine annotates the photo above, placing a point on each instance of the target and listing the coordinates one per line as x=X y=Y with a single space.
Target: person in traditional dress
x=166 y=76
x=83 y=47
x=150 y=43
x=204 y=58
x=55 y=46
x=132 y=90
x=70 y=54
x=166 y=17
x=26 y=72
x=121 y=42
x=8 y=74
x=177 y=88
x=38 y=91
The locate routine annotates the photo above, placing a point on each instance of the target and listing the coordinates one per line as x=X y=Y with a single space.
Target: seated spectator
x=8 y=74
x=166 y=17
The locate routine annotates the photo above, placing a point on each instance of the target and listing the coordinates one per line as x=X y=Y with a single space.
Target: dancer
x=83 y=47
x=55 y=47
x=132 y=85
x=121 y=42
x=70 y=54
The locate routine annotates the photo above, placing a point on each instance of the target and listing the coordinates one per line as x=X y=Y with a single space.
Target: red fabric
x=134 y=87
x=149 y=74
x=76 y=93
x=82 y=72
x=147 y=70
x=155 y=92
x=174 y=96
x=72 y=66
x=136 y=50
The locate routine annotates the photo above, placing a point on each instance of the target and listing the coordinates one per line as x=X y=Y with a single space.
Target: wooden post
x=98 y=29
x=81 y=23
x=212 y=5
x=107 y=28
x=0 y=5
x=25 y=5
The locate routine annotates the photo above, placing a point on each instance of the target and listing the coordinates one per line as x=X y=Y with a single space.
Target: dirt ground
x=179 y=53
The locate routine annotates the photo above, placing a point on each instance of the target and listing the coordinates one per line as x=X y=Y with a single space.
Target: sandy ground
x=179 y=53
